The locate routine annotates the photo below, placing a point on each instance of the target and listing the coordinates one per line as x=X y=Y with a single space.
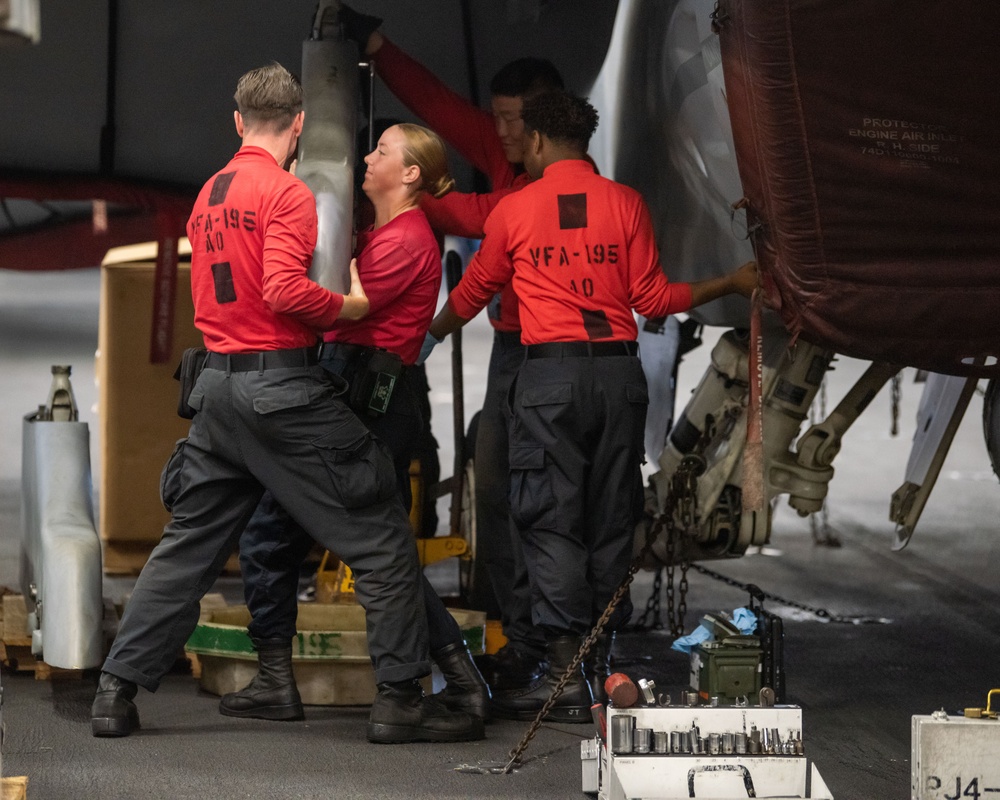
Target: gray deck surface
x=858 y=684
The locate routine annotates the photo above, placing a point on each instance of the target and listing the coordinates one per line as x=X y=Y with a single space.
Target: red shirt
x=581 y=251
x=471 y=131
x=400 y=267
x=252 y=232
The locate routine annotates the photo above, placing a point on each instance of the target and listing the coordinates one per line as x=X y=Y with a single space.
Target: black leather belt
x=267 y=359
x=344 y=350
x=582 y=349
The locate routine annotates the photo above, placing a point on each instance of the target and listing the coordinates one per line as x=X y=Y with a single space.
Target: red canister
x=621 y=691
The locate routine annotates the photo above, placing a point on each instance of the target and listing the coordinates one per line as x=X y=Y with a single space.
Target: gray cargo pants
x=285 y=430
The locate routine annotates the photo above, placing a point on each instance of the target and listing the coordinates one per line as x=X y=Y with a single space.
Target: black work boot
x=512 y=667
x=597 y=666
x=573 y=704
x=113 y=712
x=465 y=689
x=272 y=694
x=401 y=713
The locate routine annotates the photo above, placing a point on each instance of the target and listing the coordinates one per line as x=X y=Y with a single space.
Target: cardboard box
x=138 y=423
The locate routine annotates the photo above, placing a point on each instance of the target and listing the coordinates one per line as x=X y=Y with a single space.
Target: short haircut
x=269 y=96
x=561 y=117
x=526 y=77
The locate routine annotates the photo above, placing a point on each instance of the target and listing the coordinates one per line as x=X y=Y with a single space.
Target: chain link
x=821 y=613
x=650 y=618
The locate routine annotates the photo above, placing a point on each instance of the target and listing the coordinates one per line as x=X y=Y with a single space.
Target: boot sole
x=273 y=713
x=115 y=727
x=480 y=710
x=379 y=733
x=571 y=715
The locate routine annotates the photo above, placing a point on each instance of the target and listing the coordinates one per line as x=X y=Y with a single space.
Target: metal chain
x=677 y=621
x=821 y=613
x=650 y=619
x=896 y=391
x=588 y=643
x=669 y=569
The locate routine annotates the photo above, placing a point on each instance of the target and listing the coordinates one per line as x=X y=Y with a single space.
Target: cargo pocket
x=170 y=478
x=197 y=397
x=359 y=465
x=556 y=395
x=637 y=395
x=532 y=501
x=280 y=398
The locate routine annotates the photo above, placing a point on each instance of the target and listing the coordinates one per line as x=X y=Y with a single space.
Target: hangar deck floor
x=858 y=684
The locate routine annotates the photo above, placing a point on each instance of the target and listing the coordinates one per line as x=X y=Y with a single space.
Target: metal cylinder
x=661 y=742
x=622 y=726
x=728 y=743
x=714 y=744
x=643 y=740
x=675 y=741
x=741 y=743
x=694 y=741
x=327 y=153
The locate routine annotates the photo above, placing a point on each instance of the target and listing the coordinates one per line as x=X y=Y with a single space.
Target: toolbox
x=728 y=669
x=954 y=757
x=723 y=753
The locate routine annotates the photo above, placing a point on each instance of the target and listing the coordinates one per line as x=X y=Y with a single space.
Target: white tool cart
x=717 y=752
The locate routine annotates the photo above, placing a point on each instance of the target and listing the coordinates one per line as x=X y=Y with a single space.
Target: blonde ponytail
x=425 y=149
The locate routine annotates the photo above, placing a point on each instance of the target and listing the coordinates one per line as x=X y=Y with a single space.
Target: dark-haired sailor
x=580 y=252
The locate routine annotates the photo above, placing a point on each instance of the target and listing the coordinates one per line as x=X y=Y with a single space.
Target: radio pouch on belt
x=192 y=363
x=375 y=375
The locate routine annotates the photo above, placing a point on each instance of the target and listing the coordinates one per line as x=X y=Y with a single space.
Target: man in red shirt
x=492 y=141
x=269 y=418
x=581 y=253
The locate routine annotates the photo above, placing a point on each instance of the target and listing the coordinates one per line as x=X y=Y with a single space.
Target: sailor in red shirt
x=581 y=254
x=400 y=264
x=268 y=417
x=492 y=141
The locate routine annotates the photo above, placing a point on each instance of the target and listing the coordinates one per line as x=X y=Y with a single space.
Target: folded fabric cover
x=867 y=135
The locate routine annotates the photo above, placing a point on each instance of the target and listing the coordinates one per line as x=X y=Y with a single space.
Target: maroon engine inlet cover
x=869 y=151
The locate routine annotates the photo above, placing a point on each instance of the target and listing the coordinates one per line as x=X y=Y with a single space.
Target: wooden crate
x=15 y=643
x=15 y=788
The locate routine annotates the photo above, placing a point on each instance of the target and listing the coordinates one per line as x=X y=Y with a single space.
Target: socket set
x=698 y=748
x=628 y=738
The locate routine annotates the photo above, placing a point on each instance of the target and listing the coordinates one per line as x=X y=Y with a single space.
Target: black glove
x=358 y=27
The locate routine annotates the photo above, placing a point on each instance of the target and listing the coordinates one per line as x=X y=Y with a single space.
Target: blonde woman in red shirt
x=399 y=264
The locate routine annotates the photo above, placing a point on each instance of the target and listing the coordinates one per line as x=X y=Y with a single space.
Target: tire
x=991 y=423
x=474 y=582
